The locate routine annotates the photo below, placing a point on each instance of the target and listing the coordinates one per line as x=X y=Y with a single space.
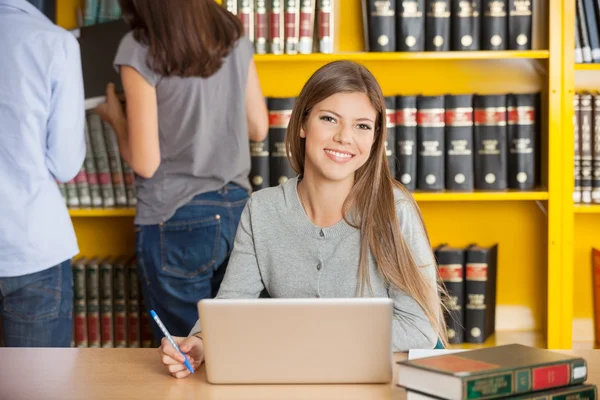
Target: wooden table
x=37 y=374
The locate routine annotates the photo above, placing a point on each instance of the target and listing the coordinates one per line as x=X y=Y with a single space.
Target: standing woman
x=193 y=103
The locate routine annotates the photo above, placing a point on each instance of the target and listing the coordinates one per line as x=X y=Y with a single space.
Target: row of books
x=587 y=35
x=100 y=11
x=108 y=308
x=286 y=26
x=105 y=179
x=434 y=143
x=586 y=157
x=434 y=25
x=469 y=277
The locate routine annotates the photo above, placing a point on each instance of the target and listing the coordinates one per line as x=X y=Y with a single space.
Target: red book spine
x=93 y=303
x=79 y=304
x=276 y=36
x=292 y=26
x=307 y=23
x=325 y=26
x=120 y=304
x=260 y=27
x=106 y=304
x=133 y=306
x=551 y=377
x=246 y=16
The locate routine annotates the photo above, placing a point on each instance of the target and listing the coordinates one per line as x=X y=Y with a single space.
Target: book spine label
x=245 y=13
x=519 y=24
x=120 y=304
x=586 y=147
x=493 y=25
x=430 y=143
x=381 y=22
x=79 y=305
x=260 y=27
x=292 y=26
x=410 y=25
x=259 y=169
x=390 y=142
x=326 y=23
x=93 y=304
x=521 y=141
x=465 y=25
x=490 y=142
x=307 y=23
x=106 y=305
x=577 y=149
x=276 y=34
x=231 y=6
x=459 y=143
x=133 y=307
x=406 y=141
x=437 y=25
x=596 y=152
x=280 y=111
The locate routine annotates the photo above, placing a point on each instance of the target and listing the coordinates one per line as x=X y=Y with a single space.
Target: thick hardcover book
x=259 y=169
x=129 y=179
x=490 y=139
x=325 y=22
x=107 y=327
x=133 y=306
x=72 y=195
x=437 y=25
x=465 y=25
x=292 y=26
x=114 y=162
x=231 y=6
x=92 y=284
x=406 y=141
x=596 y=152
x=390 y=142
x=101 y=160
x=430 y=143
x=276 y=33
x=451 y=267
x=520 y=24
x=585 y=132
x=583 y=31
x=576 y=148
x=578 y=46
x=592 y=26
x=410 y=25
x=246 y=16
x=459 y=142
x=522 y=141
x=381 y=25
x=83 y=188
x=480 y=292
x=280 y=111
x=494 y=25
x=79 y=303
x=90 y=168
x=307 y=25
x=120 y=301
x=260 y=27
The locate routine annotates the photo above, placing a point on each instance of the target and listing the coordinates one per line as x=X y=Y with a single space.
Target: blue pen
x=170 y=339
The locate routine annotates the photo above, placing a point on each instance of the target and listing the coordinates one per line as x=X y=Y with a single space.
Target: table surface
x=46 y=373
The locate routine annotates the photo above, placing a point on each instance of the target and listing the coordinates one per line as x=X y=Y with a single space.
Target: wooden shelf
x=527 y=338
x=587 y=67
x=480 y=196
x=102 y=212
x=399 y=56
x=587 y=209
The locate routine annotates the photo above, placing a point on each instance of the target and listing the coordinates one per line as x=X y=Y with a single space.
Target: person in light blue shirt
x=42 y=141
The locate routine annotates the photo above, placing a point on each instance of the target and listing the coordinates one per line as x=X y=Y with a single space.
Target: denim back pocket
x=38 y=297
x=190 y=247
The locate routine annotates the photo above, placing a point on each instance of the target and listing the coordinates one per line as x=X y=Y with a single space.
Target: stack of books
x=510 y=371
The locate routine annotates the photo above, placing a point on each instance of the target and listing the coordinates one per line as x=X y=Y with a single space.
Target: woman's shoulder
x=274 y=197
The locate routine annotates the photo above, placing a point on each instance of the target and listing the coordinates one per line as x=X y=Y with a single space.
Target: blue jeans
x=183 y=260
x=37 y=309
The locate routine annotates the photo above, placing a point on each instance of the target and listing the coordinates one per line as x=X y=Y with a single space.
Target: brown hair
x=371 y=201
x=189 y=38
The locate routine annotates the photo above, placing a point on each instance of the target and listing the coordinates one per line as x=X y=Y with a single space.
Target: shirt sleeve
x=65 y=145
x=411 y=328
x=133 y=54
x=242 y=278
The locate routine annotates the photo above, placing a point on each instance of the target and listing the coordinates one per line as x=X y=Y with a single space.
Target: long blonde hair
x=371 y=202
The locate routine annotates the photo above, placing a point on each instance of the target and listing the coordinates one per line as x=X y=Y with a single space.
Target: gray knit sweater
x=279 y=249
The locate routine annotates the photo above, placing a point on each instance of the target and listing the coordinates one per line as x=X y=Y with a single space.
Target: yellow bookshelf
x=534 y=288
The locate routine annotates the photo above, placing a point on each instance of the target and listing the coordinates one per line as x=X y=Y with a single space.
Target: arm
x=256 y=107
x=242 y=279
x=65 y=144
x=411 y=328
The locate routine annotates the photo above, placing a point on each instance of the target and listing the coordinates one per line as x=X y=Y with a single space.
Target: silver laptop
x=281 y=341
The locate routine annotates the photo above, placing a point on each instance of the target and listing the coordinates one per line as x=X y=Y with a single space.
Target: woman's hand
x=193 y=348
x=112 y=110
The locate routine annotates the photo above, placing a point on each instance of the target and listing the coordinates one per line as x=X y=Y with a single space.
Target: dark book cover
x=520 y=14
x=451 y=266
x=307 y=26
x=280 y=112
x=276 y=34
x=246 y=16
x=583 y=32
x=410 y=25
x=390 y=142
x=596 y=152
x=494 y=25
x=437 y=25
x=466 y=25
x=490 y=139
x=47 y=7
x=120 y=301
x=381 y=25
x=480 y=292
x=91 y=170
x=592 y=27
x=576 y=148
x=259 y=169
x=79 y=303
x=585 y=141
x=406 y=141
x=133 y=306
x=522 y=141
x=576 y=392
x=578 y=45
x=92 y=285
x=430 y=143
x=492 y=372
x=261 y=33
x=459 y=142
x=107 y=327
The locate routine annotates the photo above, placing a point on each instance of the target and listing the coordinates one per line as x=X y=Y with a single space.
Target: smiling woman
x=342 y=227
